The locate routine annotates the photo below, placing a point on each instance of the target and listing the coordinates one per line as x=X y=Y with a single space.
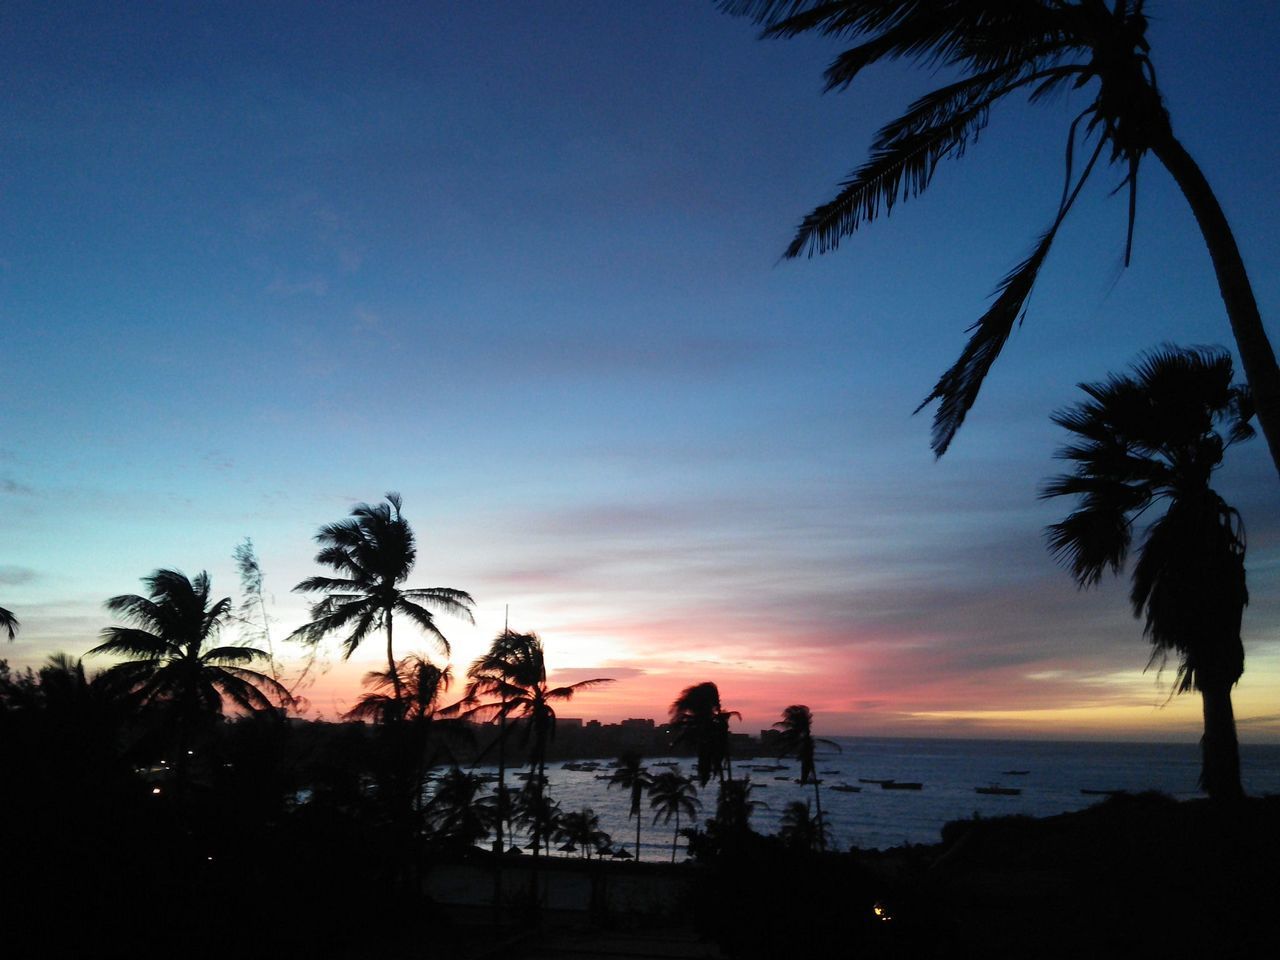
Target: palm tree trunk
x=391 y=666
x=637 y=836
x=674 y=837
x=1255 y=349
x=1219 y=749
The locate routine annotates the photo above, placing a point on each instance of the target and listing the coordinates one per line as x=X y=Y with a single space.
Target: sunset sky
x=520 y=262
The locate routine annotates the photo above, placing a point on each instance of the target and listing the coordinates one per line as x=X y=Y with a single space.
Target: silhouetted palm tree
x=1000 y=48
x=580 y=830
x=735 y=808
x=630 y=775
x=373 y=552
x=797 y=740
x=515 y=675
x=1144 y=441
x=8 y=623
x=697 y=718
x=457 y=813
x=673 y=795
x=174 y=668
x=802 y=829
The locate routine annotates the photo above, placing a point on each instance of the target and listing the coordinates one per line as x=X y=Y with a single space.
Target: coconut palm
x=175 y=667
x=630 y=775
x=673 y=795
x=796 y=739
x=580 y=831
x=996 y=49
x=1147 y=444
x=698 y=719
x=801 y=829
x=8 y=623
x=456 y=812
x=514 y=674
x=373 y=551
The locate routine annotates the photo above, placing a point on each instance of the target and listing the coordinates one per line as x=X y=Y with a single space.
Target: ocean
x=948 y=770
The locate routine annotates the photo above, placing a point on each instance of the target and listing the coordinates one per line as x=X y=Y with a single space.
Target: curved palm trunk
x=637 y=836
x=1219 y=748
x=675 y=836
x=1255 y=348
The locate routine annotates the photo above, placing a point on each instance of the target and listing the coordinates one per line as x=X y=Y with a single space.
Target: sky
x=521 y=263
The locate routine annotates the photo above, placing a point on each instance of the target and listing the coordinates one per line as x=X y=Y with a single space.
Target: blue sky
x=520 y=263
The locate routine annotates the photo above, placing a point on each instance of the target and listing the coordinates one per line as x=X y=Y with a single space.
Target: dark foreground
x=1134 y=876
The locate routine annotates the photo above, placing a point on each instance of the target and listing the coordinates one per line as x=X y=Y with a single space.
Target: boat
x=1014 y=773
x=846 y=788
x=782 y=778
x=998 y=791
x=867 y=780
x=900 y=785
x=828 y=772
x=667 y=763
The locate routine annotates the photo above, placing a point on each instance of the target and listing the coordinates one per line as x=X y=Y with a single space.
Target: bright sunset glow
x=535 y=288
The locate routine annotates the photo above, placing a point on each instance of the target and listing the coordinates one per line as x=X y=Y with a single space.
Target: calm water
x=949 y=771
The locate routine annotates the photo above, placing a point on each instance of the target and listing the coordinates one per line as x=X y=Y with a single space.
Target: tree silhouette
x=515 y=674
x=630 y=775
x=1000 y=48
x=175 y=670
x=373 y=551
x=1148 y=440
x=673 y=795
x=801 y=829
x=580 y=830
x=8 y=623
x=796 y=739
x=698 y=719
x=456 y=812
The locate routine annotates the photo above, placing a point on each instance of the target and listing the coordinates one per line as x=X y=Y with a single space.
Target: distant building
x=638 y=724
x=570 y=723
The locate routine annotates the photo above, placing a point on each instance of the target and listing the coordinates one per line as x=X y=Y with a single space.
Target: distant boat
x=867 y=780
x=998 y=791
x=1014 y=773
x=782 y=778
x=900 y=785
x=667 y=763
x=846 y=788
x=827 y=772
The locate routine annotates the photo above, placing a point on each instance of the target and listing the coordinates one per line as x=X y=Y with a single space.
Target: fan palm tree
x=698 y=719
x=8 y=623
x=580 y=830
x=373 y=551
x=515 y=674
x=673 y=795
x=796 y=739
x=998 y=48
x=1147 y=441
x=457 y=813
x=175 y=667
x=630 y=775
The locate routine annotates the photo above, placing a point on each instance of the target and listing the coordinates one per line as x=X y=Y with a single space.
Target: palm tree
x=630 y=775
x=1149 y=440
x=796 y=739
x=457 y=813
x=801 y=829
x=174 y=666
x=373 y=551
x=998 y=49
x=673 y=795
x=697 y=718
x=580 y=830
x=515 y=672
x=8 y=623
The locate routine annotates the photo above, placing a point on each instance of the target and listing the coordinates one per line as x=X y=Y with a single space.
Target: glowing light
x=881 y=912
x=155 y=790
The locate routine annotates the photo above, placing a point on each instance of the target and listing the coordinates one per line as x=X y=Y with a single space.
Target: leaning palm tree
x=1147 y=441
x=796 y=739
x=373 y=552
x=174 y=666
x=801 y=829
x=8 y=623
x=673 y=795
x=517 y=680
x=999 y=48
x=698 y=719
x=629 y=774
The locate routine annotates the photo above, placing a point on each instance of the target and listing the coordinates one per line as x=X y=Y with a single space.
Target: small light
x=210 y=859
x=881 y=912
x=155 y=790
x=190 y=753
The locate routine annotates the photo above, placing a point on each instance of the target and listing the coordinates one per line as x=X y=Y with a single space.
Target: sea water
x=948 y=770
